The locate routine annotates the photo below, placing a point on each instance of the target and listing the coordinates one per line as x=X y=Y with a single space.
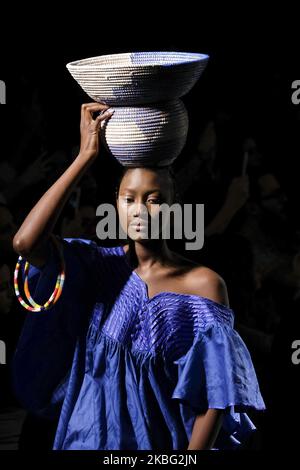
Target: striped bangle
x=35 y=307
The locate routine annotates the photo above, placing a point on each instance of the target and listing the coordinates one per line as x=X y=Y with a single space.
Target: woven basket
x=138 y=77
x=141 y=136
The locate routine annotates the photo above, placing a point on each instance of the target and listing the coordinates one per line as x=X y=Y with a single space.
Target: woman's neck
x=149 y=253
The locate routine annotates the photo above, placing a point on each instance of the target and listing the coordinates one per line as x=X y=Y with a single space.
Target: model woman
x=139 y=352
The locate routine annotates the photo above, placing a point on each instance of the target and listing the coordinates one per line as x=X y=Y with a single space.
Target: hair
x=176 y=198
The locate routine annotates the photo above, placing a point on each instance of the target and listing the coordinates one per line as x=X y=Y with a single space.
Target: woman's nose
x=139 y=210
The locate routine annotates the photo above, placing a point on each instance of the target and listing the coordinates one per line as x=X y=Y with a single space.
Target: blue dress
x=125 y=371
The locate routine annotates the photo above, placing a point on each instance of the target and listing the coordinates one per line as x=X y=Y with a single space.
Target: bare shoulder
x=207 y=283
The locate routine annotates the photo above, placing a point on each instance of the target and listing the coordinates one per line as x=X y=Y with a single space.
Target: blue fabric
x=125 y=371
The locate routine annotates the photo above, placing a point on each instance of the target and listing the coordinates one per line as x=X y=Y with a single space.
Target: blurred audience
x=252 y=238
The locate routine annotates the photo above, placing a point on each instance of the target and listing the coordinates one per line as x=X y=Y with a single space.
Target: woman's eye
x=154 y=201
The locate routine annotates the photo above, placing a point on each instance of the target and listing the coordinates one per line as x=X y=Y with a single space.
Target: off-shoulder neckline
x=171 y=293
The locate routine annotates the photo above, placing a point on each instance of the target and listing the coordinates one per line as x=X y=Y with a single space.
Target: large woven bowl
x=138 y=77
x=152 y=135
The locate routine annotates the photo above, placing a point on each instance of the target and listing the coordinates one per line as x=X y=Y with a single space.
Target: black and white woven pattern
x=138 y=78
x=150 y=123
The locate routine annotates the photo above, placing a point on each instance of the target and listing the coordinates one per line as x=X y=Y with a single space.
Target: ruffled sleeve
x=45 y=351
x=217 y=372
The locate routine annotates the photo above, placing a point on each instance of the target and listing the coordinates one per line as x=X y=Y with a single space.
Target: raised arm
x=32 y=239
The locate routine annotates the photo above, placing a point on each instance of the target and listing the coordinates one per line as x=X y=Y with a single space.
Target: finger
x=99 y=121
x=105 y=114
x=97 y=105
x=88 y=114
x=88 y=108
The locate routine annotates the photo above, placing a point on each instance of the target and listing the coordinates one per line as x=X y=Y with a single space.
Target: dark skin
x=164 y=270
x=161 y=269
x=33 y=238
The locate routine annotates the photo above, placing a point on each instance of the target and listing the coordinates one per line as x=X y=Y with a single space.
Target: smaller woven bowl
x=141 y=136
x=139 y=77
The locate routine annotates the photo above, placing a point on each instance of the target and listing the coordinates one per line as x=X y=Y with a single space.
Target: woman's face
x=141 y=193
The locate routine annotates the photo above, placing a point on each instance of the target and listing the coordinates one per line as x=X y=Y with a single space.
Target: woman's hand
x=89 y=127
x=32 y=239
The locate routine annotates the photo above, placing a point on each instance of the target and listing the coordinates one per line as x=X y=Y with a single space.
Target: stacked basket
x=150 y=123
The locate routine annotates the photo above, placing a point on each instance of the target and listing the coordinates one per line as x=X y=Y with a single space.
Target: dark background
x=254 y=58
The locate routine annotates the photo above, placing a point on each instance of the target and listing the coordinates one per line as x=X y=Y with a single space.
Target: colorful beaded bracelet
x=35 y=307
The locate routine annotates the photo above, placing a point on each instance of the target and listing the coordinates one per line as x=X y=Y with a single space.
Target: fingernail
x=110 y=111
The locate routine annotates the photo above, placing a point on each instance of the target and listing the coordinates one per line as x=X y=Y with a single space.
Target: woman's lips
x=139 y=226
